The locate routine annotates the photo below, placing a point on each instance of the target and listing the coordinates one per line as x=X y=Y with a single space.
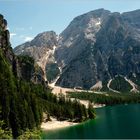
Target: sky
x=27 y=18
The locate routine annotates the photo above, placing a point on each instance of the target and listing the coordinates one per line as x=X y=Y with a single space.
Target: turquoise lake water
x=115 y=122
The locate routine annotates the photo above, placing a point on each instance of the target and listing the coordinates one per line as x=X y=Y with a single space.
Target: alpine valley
x=25 y=98
x=54 y=81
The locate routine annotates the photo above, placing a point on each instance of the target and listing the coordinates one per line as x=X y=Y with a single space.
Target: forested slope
x=25 y=96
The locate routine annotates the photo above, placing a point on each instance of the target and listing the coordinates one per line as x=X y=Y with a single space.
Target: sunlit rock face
x=41 y=48
x=95 y=46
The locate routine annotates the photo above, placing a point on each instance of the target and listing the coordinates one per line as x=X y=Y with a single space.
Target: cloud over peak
x=28 y=38
x=12 y=35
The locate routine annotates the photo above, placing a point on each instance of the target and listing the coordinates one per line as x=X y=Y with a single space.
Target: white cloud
x=28 y=38
x=12 y=35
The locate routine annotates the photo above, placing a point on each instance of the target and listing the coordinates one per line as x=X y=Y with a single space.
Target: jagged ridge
x=97 y=46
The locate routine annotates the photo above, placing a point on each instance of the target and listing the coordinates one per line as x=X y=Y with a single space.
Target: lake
x=115 y=122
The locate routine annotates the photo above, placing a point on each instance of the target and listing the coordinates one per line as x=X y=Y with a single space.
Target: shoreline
x=55 y=124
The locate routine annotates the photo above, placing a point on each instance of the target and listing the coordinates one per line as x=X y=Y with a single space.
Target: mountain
x=41 y=48
x=25 y=98
x=97 y=48
x=17 y=97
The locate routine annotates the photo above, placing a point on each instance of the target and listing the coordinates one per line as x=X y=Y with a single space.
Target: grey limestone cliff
x=96 y=46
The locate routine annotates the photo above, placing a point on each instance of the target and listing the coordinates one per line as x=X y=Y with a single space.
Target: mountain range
x=25 y=97
x=99 y=50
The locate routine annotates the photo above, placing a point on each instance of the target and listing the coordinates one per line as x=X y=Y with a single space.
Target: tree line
x=22 y=104
x=108 y=99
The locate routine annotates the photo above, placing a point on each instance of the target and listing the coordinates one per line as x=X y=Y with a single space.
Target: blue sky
x=27 y=18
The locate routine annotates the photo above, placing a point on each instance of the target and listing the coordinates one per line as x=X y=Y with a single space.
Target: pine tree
x=91 y=112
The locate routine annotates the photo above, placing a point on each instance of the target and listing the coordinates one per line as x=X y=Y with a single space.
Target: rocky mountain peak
x=96 y=46
x=85 y=23
x=132 y=18
x=41 y=48
x=42 y=43
x=46 y=39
